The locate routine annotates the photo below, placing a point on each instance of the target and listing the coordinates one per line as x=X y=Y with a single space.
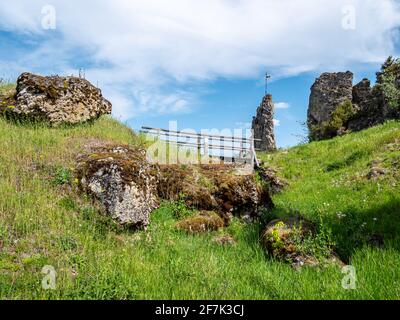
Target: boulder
x=214 y=188
x=130 y=188
x=328 y=92
x=263 y=125
x=284 y=239
x=58 y=100
x=123 y=181
x=277 y=236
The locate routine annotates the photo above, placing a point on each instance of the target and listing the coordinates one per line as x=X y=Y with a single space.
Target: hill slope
x=43 y=221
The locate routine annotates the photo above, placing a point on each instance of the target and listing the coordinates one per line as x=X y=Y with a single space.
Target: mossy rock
x=205 y=221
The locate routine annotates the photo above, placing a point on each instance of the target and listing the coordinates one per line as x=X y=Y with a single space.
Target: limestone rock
x=263 y=125
x=59 y=100
x=283 y=239
x=130 y=188
x=214 y=188
x=276 y=237
x=271 y=179
x=328 y=92
x=369 y=105
x=123 y=181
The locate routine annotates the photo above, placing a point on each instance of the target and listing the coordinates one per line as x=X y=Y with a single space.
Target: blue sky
x=200 y=63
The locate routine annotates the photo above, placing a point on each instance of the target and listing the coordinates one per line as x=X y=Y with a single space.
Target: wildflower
x=340 y=215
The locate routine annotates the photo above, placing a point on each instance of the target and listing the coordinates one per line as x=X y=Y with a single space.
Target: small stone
x=224 y=240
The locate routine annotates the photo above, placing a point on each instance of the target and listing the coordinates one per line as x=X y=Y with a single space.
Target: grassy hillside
x=43 y=221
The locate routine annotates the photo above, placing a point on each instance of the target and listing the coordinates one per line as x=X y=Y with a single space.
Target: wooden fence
x=206 y=147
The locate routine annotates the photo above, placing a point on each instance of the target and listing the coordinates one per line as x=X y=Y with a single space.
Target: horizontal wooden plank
x=189 y=134
x=210 y=146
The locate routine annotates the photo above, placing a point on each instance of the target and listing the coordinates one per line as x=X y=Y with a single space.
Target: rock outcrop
x=58 y=100
x=123 y=181
x=328 y=92
x=285 y=240
x=336 y=107
x=371 y=106
x=263 y=125
x=214 y=188
x=130 y=188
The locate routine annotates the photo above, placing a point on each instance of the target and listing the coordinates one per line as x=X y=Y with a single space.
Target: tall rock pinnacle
x=263 y=125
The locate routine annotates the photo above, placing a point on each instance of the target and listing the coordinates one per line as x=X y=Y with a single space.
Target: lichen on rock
x=57 y=100
x=214 y=187
x=337 y=107
x=130 y=188
x=296 y=240
x=122 y=180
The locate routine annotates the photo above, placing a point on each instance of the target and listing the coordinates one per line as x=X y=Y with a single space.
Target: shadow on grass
x=374 y=227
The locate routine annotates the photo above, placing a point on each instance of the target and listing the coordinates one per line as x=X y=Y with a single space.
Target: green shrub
x=388 y=79
x=62 y=176
x=179 y=208
x=339 y=119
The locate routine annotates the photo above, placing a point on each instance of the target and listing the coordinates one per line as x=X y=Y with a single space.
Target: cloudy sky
x=200 y=63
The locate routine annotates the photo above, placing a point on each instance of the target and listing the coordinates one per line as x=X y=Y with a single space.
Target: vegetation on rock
x=389 y=79
x=348 y=184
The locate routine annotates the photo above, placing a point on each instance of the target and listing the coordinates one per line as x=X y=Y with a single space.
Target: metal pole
x=267 y=76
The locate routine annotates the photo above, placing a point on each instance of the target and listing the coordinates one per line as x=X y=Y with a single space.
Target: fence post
x=252 y=150
x=242 y=150
x=199 y=149
x=206 y=150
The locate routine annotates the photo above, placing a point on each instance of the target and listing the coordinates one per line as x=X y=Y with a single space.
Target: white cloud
x=281 y=105
x=144 y=52
x=277 y=122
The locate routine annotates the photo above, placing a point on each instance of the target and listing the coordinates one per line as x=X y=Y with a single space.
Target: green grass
x=43 y=221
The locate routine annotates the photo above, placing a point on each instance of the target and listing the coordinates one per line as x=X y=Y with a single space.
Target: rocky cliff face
x=336 y=107
x=328 y=92
x=263 y=125
x=58 y=100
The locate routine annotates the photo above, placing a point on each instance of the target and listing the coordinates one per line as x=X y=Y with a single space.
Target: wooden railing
x=208 y=148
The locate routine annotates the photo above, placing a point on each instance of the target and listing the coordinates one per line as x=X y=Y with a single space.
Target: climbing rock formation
x=328 y=92
x=59 y=100
x=371 y=106
x=263 y=125
x=123 y=181
x=336 y=107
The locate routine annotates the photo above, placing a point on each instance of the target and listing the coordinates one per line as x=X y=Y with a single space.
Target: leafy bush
x=340 y=117
x=179 y=208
